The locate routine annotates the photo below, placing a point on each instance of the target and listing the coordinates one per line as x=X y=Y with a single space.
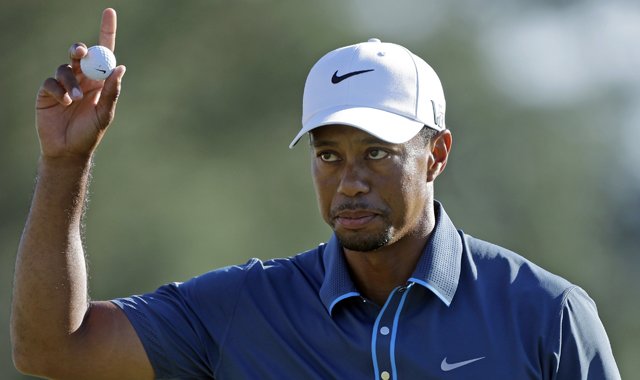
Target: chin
x=363 y=242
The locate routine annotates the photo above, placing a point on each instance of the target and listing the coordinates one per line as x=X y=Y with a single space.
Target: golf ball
x=98 y=63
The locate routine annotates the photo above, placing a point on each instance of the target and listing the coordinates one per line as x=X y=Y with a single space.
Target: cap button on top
x=381 y=53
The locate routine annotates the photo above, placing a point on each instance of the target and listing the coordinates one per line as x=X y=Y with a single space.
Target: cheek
x=412 y=193
x=324 y=191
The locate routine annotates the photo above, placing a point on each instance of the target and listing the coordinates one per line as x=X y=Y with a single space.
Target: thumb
x=106 y=107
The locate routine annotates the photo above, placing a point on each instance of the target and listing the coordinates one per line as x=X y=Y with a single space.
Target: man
x=396 y=293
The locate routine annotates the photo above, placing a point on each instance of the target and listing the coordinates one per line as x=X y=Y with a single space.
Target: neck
x=377 y=273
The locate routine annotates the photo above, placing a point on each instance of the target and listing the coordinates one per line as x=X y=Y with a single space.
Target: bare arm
x=56 y=332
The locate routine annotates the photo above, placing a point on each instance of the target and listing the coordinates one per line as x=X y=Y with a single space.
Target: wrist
x=60 y=170
x=65 y=162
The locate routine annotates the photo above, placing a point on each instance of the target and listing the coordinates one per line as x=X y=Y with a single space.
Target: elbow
x=32 y=365
x=31 y=354
x=26 y=360
x=22 y=361
x=23 y=354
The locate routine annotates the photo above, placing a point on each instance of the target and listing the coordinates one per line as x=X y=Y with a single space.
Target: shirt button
x=402 y=289
x=384 y=330
x=385 y=375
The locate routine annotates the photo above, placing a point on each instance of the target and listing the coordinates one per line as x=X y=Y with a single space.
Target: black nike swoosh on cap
x=335 y=79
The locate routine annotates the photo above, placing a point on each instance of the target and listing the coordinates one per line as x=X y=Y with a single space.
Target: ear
x=440 y=147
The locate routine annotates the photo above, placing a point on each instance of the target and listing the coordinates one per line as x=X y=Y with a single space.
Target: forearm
x=50 y=289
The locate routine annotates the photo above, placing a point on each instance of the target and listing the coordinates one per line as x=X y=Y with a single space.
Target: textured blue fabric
x=471 y=310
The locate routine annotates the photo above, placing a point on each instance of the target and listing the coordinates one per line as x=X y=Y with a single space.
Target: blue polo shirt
x=471 y=310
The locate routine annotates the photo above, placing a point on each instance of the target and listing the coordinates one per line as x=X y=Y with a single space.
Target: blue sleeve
x=183 y=325
x=583 y=350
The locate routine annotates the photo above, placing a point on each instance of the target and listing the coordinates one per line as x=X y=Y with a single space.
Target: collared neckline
x=337 y=284
x=438 y=269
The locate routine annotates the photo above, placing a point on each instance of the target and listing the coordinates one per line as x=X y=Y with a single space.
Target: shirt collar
x=337 y=284
x=438 y=269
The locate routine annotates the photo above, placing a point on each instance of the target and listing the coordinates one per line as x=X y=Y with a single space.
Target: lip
x=354 y=219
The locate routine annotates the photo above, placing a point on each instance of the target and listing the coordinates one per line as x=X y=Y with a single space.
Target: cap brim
x=384 y=125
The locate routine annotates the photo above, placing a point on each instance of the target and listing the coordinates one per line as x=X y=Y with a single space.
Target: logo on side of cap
x=438 y=114
x=335 y=79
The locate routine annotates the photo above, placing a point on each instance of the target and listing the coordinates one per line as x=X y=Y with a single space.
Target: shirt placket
x=383 y=336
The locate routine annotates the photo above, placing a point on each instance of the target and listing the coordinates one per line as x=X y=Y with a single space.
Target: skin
x=378 y=199
x=55 y=331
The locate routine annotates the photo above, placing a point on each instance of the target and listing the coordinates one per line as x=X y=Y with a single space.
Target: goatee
x=364 y=242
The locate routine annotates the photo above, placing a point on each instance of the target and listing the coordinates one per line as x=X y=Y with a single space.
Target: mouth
x=354 y=219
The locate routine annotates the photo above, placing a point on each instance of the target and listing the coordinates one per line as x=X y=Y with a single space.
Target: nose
x=353 y=181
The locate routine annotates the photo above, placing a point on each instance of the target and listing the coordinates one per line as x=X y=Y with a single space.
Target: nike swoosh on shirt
x=451 y=366
x=339 y=78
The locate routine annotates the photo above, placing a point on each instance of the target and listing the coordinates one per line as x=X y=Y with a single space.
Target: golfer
x=397 y=292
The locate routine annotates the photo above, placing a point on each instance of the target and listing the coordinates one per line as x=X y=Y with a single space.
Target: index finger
x=108 y=29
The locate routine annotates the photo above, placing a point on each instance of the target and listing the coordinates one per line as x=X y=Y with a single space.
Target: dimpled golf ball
x=98 y=63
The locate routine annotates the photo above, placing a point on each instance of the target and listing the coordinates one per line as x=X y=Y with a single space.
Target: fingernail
x=76 y=93
x=66 y=99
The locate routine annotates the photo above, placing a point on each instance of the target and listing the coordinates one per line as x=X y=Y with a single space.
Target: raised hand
x=56 y=332
x=73 y=111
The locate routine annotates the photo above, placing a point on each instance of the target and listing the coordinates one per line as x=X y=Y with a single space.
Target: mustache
x=355 y=205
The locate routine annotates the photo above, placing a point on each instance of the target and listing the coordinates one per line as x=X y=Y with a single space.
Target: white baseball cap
x=378 y=87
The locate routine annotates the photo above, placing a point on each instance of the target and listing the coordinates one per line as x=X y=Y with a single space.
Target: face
x=372 y=193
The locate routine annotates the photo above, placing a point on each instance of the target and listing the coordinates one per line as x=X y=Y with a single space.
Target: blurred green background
x=543 y=101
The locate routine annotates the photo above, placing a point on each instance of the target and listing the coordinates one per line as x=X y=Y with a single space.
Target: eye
x=328 y=156
x=377 y=154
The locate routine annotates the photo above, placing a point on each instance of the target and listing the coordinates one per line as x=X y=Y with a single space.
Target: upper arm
x=174 y=332
x=584 y=348
x=105 y=347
